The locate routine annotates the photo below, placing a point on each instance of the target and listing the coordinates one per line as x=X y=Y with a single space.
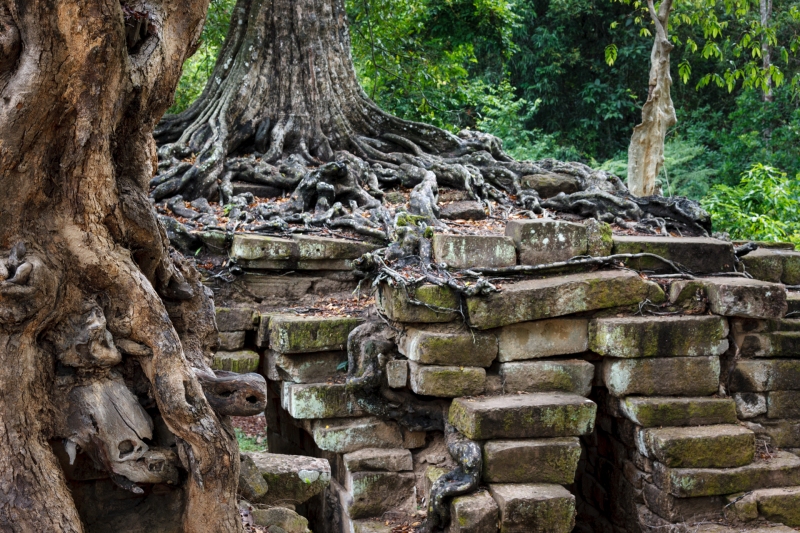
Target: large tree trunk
x=91 y=364
x=646 y=151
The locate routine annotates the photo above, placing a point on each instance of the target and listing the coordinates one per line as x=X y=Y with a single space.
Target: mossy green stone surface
x=719 y=446
x=241 y=362
x=531 y=461
x=446 y=381
x=523 y=416
x=425 y=304
x=291 y=478
x=534 y=508
x=473 y=513
x=672 y=336
x=448 y=345
x=666 y=411
x=319 y=400
x=302 y=334
x=375 y=493
x=780 y=505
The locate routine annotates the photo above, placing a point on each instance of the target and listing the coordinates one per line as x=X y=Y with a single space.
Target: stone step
x=662 y=376
x=473 y=513
x=670 y=411
x=740 y=297
x=718 y=446
x=779 y=505
x=306 y=334
x=750 y=375
x=534 y=508
x=782 y=470
x=318 y=400
x=777 y=266
x=242 y=362
x=291 y=478
x=467 y=251
x=665 y=336
x=701 y=255
x=448 y=344
x=315 y=367
x=542 y=241
x=536 y=299
x=531 y=461
x=523 y=416
x=426 y=304
x=301 y=252
x=771 y=344
x=573 y=376
x=446 y=381
x=542 y=338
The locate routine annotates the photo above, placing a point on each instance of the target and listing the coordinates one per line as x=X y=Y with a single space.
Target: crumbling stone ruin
x=660 y=392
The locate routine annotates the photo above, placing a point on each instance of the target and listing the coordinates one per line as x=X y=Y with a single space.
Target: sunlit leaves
x=611 y=53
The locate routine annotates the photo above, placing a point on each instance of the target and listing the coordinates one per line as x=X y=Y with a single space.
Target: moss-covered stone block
x=599 y=238
x=473 y=513
x=280 y=520
x=534 y=508
x=241 y=362
x=573 y=376
x=670 y=411
x=666 y=336
x=783 y=404
x=543 y=240
x=467 y=251
x=718 y=446
x=542 y=338
x=424 y=304
x=523 y=416
x=780 y=505
x=375 y=493
x=448 y=344
x=762 y=375
x=782 y=470
x=662 y=376
x=531 y=461
x=549 y=184
x=770 y=344
x=303 y=334
x=764 y=264
x=291 y=478
x=742 y=297
x=701 y=255
x=252 y=486
x=446 y=381
x=558 y=296
x=319 y=400
x=349 y=435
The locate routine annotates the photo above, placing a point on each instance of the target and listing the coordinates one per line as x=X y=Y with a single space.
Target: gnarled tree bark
x=646 y=151
x=102 y=330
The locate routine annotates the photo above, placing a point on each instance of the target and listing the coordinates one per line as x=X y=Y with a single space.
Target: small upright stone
x=474 y=513
x=397 y=373
x=467 y=251
x=534 y=508
x=741 y=297
x=543 y=240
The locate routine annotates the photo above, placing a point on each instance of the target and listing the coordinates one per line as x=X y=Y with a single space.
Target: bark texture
x=103 y=330
x=646 y=151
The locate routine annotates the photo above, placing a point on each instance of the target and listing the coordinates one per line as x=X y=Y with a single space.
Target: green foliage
x=764 y=206
x=199 y=67
x=247 y=443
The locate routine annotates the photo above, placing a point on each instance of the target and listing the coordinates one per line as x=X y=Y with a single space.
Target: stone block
x=280 y=520
x=664 y=336
x=397 y=373
x=741 y=297
x=252 y=486
x=464 y=210
x=435 y=304
x=291 y=478
x=599 y=238
x=718 y=446
x=573 y=376
x=558 y=296
x=242 y=362
x=750 y=404
x=781 y=433
x=523 y=416
x=301 y=252
x=544 y=240
x=349 y=435
x=750 y=375
x=744 y=506
x=319 y=400
x=542 y=338
x=783 y=404
x=779 y=266
x=473 y=513
x=549 y=184
x=662 y=376
x=262 y=334
x=771 y=344
x=448 y=344
x=670 y=411
x=236 y=319
x=374 y=493
x=317 y=367
x=304 y=334
x=230 y=341
x=378 y=459
x=446 y=381
x=781 y=471
x=531 y=461
x=467 y=251
x=793 y=304
x=701 y=255
x=780 y=505
x=676 y=509
x=534 y=508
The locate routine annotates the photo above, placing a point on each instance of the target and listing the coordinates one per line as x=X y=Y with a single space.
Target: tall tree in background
x=105 y=335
